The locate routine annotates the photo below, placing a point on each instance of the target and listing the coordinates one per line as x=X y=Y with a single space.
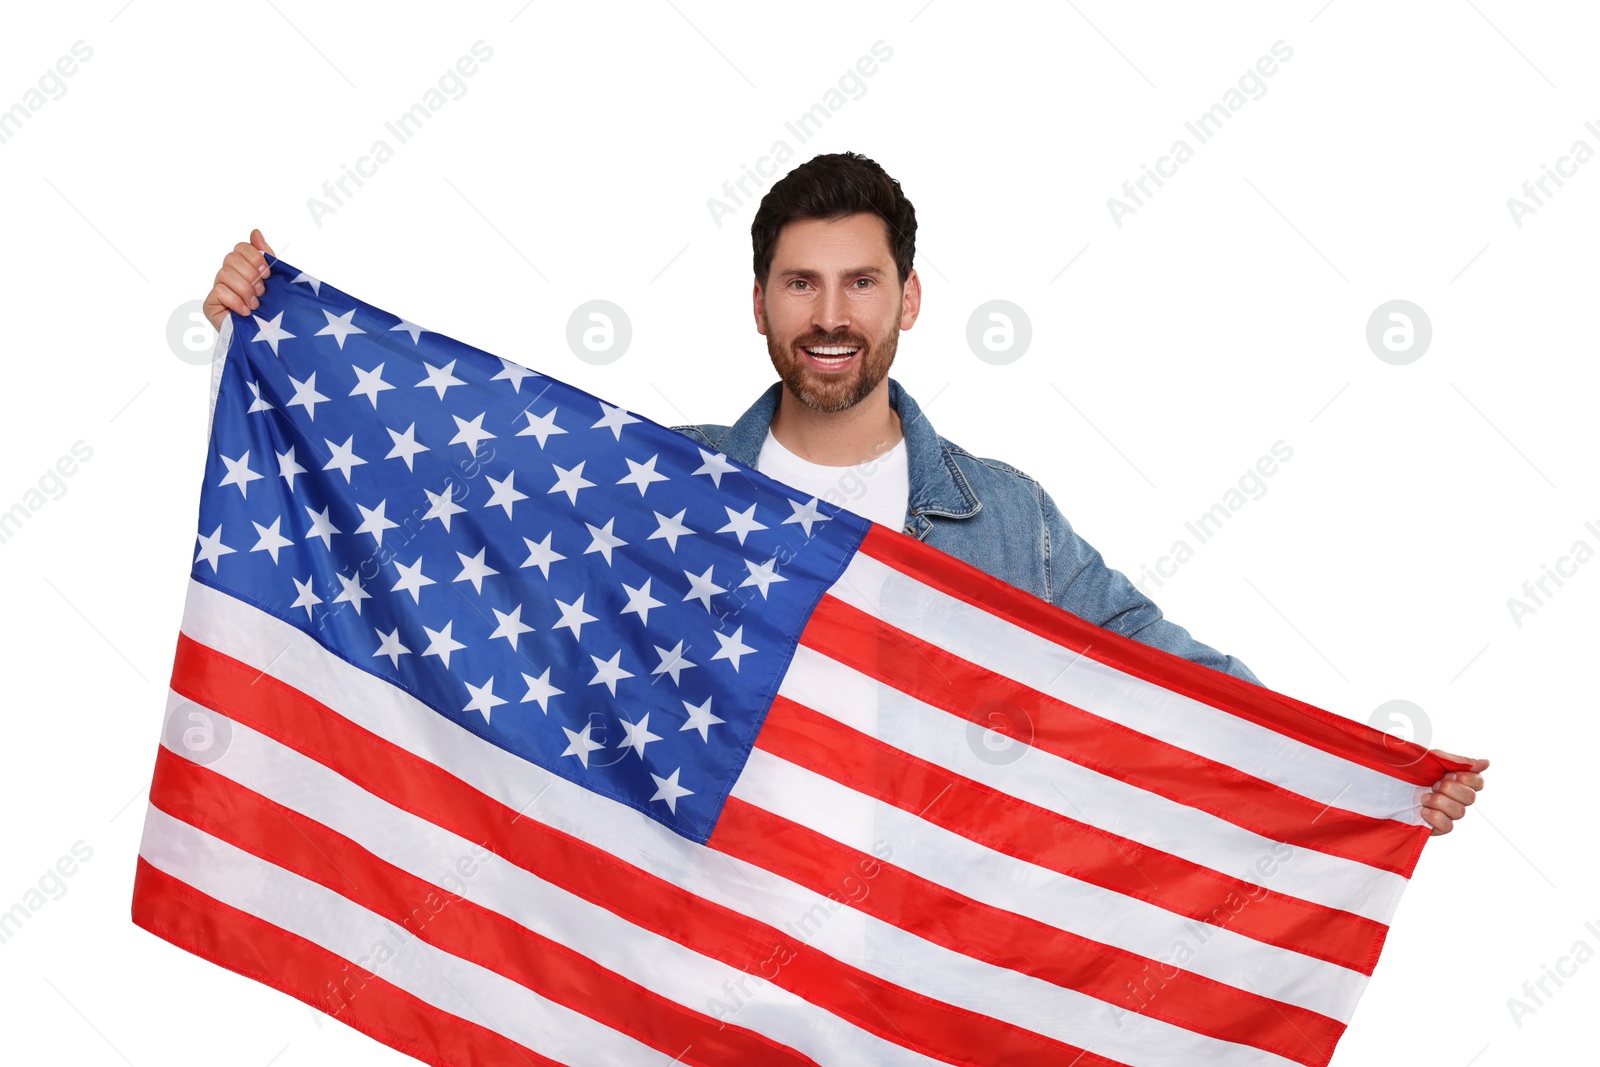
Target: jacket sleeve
x=1078 y=580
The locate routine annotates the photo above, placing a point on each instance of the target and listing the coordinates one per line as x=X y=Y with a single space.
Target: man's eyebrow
x=804 y=272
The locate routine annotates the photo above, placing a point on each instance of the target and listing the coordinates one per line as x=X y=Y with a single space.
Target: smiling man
x=833 y=243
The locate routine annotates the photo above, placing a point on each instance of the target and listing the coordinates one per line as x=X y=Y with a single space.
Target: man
x=834 y=242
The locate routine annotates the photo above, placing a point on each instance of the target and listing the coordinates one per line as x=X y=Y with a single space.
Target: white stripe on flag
x=325 y=918
x=1002 y=647
x=429 y=852
x=1005 y=882
x=1042 y=778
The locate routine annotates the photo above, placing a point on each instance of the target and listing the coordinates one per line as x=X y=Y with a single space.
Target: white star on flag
x=474 y=569
x=271 y=331
x=715 y=465
x=340 y=327
x=406 y=446
x=321 y=526
x=603 y=540
x=440 y=378
x=307 y=599
x=369 y=383
x=569 y=481
x=510 y=625
x=354 y=593
x=257 y=403
x=270 y=540
x=414 y=330
x=641 y=474
x=580 y=744
x=637 y=735
x=441 y=644
x=540 y=426
x=700 y=718
x=614 y=420
x=669 y=790
x=306 y=395
x=483 y=698
x=741 y=523
x=212 y=548
x=673 y=662
x=763 y=575
x=288 y=467
x=411 y=579
x=239 y=473
x=609 y=672
x=540 y=554
x=640 y=601
x=443 y=505
x=702 y=588
x=374 y=522
x=344 y=458
x=390 y=646
x=540 y=690
x=573 y=617
x=471 y=433
x=670 y=529
x=513 y=373
x=732 y=647
x=805 y=514
x=505 y=493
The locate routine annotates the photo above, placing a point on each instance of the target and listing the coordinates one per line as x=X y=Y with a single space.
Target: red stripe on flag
x=1332 y=733
x=244 y=944
x=264 y=828
x=290 y=717
x=891 y=656
x=1018 y=943
x=1037 y=835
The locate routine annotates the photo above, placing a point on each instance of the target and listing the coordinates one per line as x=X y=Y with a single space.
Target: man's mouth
x=830 y=356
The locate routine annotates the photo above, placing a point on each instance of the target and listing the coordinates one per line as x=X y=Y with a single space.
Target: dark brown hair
x=831 y=187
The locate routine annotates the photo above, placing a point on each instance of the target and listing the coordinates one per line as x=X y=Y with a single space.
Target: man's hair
x=832 y=187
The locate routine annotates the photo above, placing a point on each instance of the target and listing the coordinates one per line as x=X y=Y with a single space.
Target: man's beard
x=833 y=393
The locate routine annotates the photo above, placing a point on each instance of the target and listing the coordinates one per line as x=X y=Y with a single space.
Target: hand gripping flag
x=510 y=727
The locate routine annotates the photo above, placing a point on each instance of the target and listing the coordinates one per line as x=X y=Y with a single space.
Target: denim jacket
x=1001 y=521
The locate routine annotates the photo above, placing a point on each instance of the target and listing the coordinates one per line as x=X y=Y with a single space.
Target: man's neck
x=838 y=439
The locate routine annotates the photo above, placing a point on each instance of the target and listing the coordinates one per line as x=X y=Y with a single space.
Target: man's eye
x=797 y=282
x=863 y=282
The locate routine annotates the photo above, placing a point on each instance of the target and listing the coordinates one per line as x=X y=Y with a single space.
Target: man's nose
x=831 y=312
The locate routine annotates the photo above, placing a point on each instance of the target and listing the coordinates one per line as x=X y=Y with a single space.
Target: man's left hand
x=1453 y=794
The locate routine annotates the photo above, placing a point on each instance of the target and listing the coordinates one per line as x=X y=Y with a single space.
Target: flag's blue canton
x=578 y=585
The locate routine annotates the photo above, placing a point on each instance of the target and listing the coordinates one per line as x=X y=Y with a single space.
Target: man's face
x=833 y=308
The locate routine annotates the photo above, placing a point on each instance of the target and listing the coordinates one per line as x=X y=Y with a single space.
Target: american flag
x=508 y=726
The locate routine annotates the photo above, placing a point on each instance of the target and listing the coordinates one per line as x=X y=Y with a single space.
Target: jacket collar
x=937 y=484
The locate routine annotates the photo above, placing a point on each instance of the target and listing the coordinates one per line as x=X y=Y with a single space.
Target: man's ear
x=760 y=309
x=911 y=301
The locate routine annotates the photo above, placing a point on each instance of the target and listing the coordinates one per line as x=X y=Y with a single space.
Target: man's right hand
x=239 y=283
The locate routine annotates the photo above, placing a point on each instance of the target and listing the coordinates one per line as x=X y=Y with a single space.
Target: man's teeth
x=838 y=350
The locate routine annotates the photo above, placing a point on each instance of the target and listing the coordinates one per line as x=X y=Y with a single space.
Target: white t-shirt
x=877 y=489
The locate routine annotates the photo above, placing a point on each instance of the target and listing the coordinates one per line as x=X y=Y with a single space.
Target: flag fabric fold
x=509 y=726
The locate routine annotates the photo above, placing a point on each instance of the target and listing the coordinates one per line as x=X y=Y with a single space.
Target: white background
x=1228 y=313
